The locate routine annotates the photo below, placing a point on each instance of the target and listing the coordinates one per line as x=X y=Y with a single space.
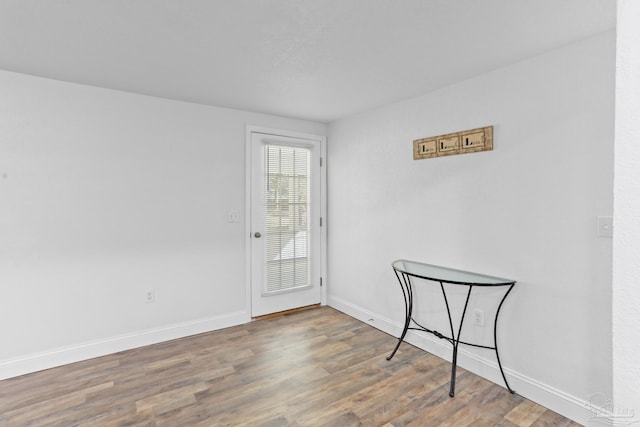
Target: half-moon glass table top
x=448 y=275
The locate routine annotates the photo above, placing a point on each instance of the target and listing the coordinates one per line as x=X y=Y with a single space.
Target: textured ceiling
x=313 y=59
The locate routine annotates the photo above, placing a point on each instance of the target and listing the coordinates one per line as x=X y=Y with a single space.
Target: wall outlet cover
x=605 y=226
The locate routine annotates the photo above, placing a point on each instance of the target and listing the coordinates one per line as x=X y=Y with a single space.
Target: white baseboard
x=62 y=356
x=558 y=401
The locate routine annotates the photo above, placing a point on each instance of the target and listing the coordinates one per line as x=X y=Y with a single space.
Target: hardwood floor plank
x=410 y=383
x=316 y=367
x=170 y=397
x=47 y=411
x=525 y=414
x=551 y=419
x=434 y=406
x=478 y=411
x=419 y=395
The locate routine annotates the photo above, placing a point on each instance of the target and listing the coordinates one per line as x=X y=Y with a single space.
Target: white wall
x=626 y=268
x=103 y=195
x=526 y=210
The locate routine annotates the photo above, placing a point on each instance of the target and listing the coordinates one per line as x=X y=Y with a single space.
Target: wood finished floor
x=317 y=367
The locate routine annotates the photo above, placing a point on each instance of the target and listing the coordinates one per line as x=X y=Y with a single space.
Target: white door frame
x=248 y=205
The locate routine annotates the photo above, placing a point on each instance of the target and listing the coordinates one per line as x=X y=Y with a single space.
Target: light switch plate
x=233 y=216
x=605 y=226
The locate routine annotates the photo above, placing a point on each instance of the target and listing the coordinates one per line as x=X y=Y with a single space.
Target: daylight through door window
x=287 y=265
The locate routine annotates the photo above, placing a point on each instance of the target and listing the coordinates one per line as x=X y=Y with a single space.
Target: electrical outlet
x=150 y=296
x=605 y=226
x=478 y=317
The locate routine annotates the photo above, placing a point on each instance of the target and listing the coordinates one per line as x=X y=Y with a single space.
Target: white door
x=285 y=233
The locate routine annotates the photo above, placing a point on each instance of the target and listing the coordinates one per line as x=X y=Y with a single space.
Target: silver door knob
x=257 y=235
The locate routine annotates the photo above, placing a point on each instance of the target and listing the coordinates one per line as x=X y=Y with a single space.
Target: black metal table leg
x=407 y=292
x=455 y=339
x=495 y=339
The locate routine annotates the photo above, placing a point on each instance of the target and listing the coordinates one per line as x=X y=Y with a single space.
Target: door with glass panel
x=285 y=223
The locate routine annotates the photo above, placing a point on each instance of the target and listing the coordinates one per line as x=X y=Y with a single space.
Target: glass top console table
x=406 y=270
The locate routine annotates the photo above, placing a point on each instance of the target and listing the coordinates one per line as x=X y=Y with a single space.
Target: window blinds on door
x=286 y=214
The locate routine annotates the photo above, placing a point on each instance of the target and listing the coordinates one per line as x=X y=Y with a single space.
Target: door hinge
x=320 y=161
x=320 y=221
x=321 y=282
